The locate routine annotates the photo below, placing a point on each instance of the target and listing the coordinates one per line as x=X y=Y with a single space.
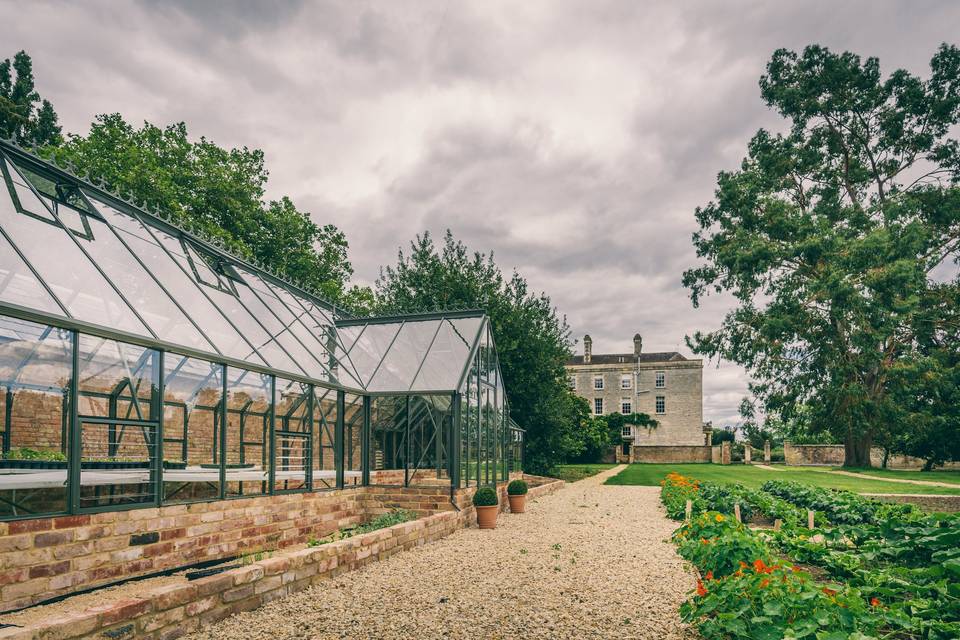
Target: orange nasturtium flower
x=829 y=591
x=701 y=591
x=704 y=541
x=709 y=575
x=719 y=518
x=764 y=583
x=760 y=566
x=874 y=602
x=743 y=565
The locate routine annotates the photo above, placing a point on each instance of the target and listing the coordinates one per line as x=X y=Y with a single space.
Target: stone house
x=665 y=385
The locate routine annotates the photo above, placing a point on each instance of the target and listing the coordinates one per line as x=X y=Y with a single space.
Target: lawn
x=753 y=477
x=574 y=472
x=953 y=477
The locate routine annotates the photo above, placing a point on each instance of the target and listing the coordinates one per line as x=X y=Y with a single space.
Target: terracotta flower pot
x=487 y=516
x=518 y=503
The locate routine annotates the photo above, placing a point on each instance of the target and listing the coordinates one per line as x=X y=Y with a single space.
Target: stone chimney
x=637 y=345
x=587 y=349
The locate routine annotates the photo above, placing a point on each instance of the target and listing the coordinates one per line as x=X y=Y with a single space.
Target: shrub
x=25 y=453
x=517 y=488
x=485 y=497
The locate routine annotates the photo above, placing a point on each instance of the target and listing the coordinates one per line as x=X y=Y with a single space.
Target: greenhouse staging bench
x=171 y=610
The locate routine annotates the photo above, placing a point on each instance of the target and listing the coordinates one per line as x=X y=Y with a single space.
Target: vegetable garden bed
x=877 y=570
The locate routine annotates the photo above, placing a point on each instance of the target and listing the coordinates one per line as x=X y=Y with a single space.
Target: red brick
x=173 y=595
x=121 y=611
x=66 y=522
x=47 y=570
x=23 y=526
x=53 y=538
x=171 y=534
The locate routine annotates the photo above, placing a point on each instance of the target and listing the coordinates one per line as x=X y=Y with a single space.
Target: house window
x=572 y=381
x=598 y=406
x=626 y=406
x=660 y=378
x=627 y=431
x=661 y=404
x=626 y=381
x=598 y=382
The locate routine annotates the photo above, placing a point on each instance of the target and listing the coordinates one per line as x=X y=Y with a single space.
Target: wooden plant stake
x=810 y=520
x=736 y=511
x=777 y=524
x=689 y=509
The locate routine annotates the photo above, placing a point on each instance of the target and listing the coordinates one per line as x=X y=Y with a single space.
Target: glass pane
x=388 y=424
x=445 y=362
x=370 y=348
x=272 y=312
x=180 y=285
x=345 y=339
x=141 y=290
x=292 y=435
x=324 y=429
x=266 y=345
x=192 y=414
x=18 y=285
x=117 y=380
x=249 y=397
x=352 y=439
x=35 y=370
x=118 y=464
x=65 y=269
x=428 y=417
x=405 y=356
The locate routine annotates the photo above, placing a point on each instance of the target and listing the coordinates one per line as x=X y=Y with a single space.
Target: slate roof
x=625 y=358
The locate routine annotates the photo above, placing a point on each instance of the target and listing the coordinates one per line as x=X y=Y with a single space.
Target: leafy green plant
x=25 y=453
x=517 y=488
x=485 y=497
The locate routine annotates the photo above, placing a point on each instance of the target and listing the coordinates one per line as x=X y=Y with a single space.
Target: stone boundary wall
x=670 y=454
x=170 y=611
x=833 y=455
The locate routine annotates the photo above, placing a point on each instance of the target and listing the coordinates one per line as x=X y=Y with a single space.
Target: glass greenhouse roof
x=78 y=257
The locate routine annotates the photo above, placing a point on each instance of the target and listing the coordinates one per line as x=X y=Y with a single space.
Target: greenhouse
x=142 y=365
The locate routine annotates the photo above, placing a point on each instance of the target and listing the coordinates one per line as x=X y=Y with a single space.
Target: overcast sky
x=572 y=139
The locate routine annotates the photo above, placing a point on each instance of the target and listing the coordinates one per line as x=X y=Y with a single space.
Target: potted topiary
x=487 y=505
x=517 y=494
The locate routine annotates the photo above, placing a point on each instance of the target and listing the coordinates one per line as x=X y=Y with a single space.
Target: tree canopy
x=25 y=117
x=532 y=340
x=833 y=238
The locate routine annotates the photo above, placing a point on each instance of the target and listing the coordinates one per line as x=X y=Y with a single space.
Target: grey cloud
x=572 y=139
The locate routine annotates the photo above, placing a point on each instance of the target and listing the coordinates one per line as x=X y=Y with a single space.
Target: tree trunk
x=856 y=449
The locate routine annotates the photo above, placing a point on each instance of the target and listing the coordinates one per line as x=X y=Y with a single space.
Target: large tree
x=532 y=341
x=24 y=115
x=218 y=190
x=829 y=235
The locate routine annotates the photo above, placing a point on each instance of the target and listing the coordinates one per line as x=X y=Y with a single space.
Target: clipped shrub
x=517 y=488
x=485 y=497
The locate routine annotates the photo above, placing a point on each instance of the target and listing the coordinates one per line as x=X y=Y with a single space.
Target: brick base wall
x=171 y=611
x=833 y=455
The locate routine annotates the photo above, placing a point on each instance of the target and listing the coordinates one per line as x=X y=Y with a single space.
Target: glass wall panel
x=427 y=425
x=352 y=439
x=370 y=347
x=387 y=440
x=324 y=442
x=249 y=399
x=293 y=435
x=118 y=404
x=192 y=418
x=178 y=282
x=36 y=365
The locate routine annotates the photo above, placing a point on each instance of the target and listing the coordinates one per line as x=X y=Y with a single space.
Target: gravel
x=588 y=561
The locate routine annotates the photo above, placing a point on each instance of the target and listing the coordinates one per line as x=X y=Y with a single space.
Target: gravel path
x=589 y=561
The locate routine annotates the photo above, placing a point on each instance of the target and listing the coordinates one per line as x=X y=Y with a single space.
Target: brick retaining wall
x=170 y=611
